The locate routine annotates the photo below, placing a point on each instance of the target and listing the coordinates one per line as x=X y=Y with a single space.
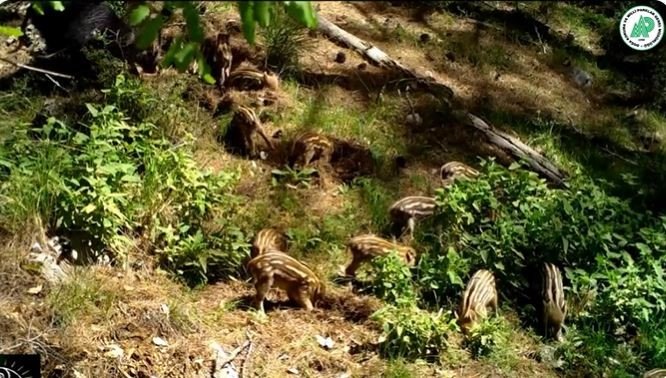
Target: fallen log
x=378 y=58
x=517 y=148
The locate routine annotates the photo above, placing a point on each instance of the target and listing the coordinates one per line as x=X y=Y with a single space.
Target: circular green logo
x=642 y=28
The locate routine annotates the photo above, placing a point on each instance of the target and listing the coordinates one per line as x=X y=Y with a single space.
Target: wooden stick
x=232 y=356
x=40 y=70
x=247 y=357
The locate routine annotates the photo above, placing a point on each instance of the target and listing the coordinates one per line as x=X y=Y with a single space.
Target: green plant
x=489 y=336
x=410 y=332
x=392 y=279
x=284 y=39
x=290 y=176
x=109 y=180
x=509 y=219
x=376 y=198
x=131 y=96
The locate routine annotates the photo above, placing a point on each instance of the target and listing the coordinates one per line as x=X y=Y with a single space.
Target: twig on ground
x=40 y=70
x=232 y=356
x=54 y=81
x=632 y=162
x=543 y=46
x=247 y=356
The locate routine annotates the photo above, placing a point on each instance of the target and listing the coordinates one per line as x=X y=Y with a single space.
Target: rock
x=49 y=269
x=425 y=38
x=293 y=371
x=226 y=371
x=580 y=77
x=160 y=342
x=326 y=343
x=340 y=57
x=113 y=351
x=36 y=247
x=414 y=119
x=35 y=290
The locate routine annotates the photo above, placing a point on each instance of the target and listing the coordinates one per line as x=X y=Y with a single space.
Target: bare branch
x=31 y=68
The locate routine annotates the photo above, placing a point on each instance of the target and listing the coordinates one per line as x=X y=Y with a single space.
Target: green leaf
x=89 y=208
x=149 y=32
x=138 y=15
x=170 y=55
x=57 y=5
x=10 y=31
x=93 y=111
x=262 y=12
x=303 y=12
x=38 y=8
x=208 y=78
x=246 y=9
x=193 y=21
x=184 y=57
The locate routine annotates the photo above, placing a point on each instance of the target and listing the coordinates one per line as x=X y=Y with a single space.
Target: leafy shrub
x=131 y=97
x=411 y=332
x=108 y=181
x=488 y=337
x=508 y=220
x=392 y=279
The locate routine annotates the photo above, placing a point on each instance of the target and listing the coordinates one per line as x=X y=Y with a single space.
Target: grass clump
x=284 y=40
x=83 y=294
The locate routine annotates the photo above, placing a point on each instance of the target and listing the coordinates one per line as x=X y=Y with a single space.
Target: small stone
x=160 y=342
x=326 y=343
x=414 y=119
x=35 y=290
x=362 y=66
x=113 y=351
x=425 y=37
x=293 y=371
x=340 y=57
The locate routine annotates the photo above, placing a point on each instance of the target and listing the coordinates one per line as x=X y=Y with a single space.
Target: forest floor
x=113 y=313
